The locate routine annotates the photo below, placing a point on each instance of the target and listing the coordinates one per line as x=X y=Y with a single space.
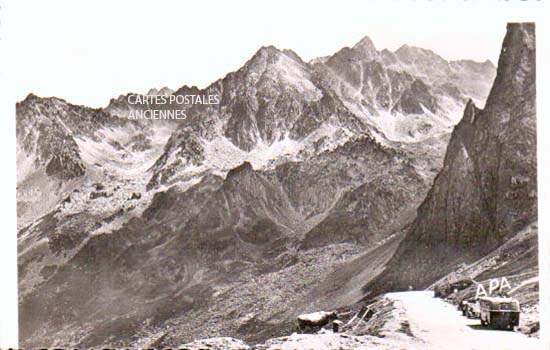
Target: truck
x=499 y=312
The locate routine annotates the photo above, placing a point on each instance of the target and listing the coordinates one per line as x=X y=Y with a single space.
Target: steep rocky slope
x=63 y=147
x=198 y=242
x=487 y=188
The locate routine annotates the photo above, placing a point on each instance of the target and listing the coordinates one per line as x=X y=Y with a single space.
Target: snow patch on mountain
x=222 y=154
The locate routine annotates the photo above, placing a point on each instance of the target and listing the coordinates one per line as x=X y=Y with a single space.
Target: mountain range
x=234 y=220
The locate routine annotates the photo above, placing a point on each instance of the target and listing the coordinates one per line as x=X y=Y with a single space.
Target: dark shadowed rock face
x=371 y=212
x=272 y=84
x=185 y=243
x=487 y=188
x=414 y=97
x=43 y=135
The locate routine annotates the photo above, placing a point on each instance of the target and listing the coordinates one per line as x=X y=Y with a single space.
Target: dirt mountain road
x=440 y=325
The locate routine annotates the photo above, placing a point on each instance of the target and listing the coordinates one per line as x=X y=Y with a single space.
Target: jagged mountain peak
x=406 y=48
x=487 y=64
x=267 y=53
x=470 y=112
x=408 y=81
x=271 y=64
x=186 y=89
x=271 y=50
x=410 y=53
x=33 y=99
x=513 y=65
x=366 y=47
x=162 y=91
x=271 y=58
x=267 y=50
x=59 y=110
x=30 y=97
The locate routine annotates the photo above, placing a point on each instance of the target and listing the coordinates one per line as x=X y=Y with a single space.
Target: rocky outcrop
x=46 y=140
x=371 y=212
x=61 y=146
x=487 y=189
x=415 y=99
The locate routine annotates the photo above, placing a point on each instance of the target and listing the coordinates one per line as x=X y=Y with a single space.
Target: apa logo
x=494 y=285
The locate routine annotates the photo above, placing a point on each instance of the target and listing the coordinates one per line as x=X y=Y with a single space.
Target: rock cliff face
x=379 y=206
x=487 y=189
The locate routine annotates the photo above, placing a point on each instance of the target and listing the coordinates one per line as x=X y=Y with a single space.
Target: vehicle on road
x=464 y=304
x=499 y=312
x=473 y=309
x=469 y=308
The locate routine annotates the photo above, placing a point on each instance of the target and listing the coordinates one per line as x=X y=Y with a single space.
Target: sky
x=89 y=52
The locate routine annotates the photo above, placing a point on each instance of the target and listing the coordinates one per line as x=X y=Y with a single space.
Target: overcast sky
x=89 y=52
